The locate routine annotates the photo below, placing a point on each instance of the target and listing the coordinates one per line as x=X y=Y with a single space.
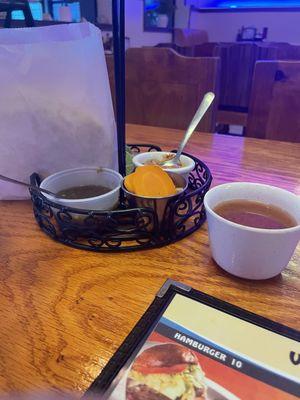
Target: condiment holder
x=135 y=224
x=158 y=204
x=88 y=176
x=188 y=164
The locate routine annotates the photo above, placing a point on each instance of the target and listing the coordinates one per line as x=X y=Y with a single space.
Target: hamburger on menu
x=164 y=372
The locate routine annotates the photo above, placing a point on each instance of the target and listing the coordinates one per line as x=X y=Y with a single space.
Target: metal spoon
x=204 y=106
x=37 y=189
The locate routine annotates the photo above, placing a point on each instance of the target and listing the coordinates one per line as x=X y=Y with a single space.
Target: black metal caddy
x=125 y=228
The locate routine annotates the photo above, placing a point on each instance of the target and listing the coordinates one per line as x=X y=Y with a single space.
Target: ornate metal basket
x=125 y=228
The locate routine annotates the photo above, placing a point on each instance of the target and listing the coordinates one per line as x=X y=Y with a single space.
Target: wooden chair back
x=237 y=67
x=274 y=107
x=286 y=51
x=164 y=88
x=184 y=51
x=189 y=37
x=205 y=49
x=200 y=50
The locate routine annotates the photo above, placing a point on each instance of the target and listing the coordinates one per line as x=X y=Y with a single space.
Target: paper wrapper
x=56 y=109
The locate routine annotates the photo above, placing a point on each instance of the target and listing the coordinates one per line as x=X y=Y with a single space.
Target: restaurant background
x=65 y=310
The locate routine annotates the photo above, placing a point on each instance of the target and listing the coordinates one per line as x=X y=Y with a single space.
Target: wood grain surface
x=64 y=312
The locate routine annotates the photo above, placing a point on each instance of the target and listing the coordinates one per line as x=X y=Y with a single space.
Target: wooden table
x=64 y=312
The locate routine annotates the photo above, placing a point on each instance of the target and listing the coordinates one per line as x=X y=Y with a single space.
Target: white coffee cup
x=247 y=252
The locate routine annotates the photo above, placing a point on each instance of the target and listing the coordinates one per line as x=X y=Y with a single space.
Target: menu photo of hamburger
x=166 y=372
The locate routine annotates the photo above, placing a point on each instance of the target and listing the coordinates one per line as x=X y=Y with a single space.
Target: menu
x=197 y=351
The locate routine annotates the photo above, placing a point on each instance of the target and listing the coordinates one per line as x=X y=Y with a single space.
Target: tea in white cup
x=262 y=247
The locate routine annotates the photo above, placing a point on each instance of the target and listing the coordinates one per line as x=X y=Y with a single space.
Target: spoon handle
x=15 y=181
x=7 y=179
x=204 y=106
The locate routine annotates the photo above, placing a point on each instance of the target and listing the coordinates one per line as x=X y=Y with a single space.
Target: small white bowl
x=188 y=164
x=86 y=176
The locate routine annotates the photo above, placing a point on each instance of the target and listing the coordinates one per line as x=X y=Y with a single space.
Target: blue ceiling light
x=151 y=5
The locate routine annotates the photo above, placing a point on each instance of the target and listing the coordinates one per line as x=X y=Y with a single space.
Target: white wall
x=104 y=11
x=181 y=15
x=135 y=27
x=183 y=11
x=283 y=26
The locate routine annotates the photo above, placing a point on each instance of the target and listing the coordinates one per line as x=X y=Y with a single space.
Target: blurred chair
x=238 y=62
x=274 y=111
x=286 y=51
x=164 y=88
x=185 y=40
x=282 y=48
x=184 y=51
x=237 y=67
x=189 y=37
x=205 y=49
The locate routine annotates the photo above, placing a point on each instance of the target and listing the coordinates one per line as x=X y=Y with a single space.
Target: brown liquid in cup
x=83 y=192
x=255 y=214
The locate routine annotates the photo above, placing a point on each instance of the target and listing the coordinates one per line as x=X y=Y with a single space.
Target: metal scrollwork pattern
x=126 y=228
x=138 y=148
x=187 y=213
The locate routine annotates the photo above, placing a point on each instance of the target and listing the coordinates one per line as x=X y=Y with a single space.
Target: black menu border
x=135 y=340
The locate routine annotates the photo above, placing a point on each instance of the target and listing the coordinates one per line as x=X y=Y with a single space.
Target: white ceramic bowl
x=248 y=252
x=188 y=164
x=86 y=176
